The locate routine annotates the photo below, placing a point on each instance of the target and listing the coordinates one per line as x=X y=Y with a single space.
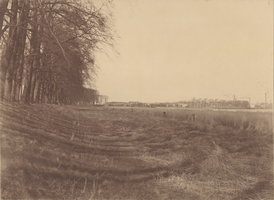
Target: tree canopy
x=47 y=49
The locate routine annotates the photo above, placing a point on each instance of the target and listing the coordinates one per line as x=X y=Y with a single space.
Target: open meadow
x=86 y=152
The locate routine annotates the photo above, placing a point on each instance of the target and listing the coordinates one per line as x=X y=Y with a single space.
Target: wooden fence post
x=193 y=117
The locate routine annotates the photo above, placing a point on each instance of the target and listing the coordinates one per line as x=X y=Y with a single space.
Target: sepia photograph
x=136 y=99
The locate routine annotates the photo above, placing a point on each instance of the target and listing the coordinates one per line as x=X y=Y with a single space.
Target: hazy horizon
x=176 y=50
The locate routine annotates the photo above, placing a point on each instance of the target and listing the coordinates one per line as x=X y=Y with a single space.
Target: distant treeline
x=193 y=104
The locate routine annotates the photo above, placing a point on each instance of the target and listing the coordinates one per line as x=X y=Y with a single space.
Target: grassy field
x=207 y=119
x=54 y=152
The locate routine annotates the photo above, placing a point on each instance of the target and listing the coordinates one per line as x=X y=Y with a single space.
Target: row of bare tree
x=47 y=48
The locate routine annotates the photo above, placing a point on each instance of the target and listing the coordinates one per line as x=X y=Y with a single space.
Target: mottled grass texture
x=69 y=152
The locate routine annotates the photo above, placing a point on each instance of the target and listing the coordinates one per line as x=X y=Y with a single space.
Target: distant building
x=101 y=100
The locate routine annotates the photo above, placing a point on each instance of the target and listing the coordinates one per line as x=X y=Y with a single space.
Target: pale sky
x=172 y=50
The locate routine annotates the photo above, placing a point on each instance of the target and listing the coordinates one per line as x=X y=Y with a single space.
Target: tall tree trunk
x=37 y=62
x=19 y=76
x=34 y=54
x=19 y=48
x=9 y=77
x=38 y=93
x=41 y=93
x=9 y=48
x=3 y=9
x=36 y=89
x=22 y=34
x=33 y=83
x=42 y=89
x=13 y=95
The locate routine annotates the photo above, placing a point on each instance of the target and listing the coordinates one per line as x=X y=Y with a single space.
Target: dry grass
x=207 y=119
x=52 y=152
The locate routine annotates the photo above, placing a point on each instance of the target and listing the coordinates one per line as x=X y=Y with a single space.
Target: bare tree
x=48 y=48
